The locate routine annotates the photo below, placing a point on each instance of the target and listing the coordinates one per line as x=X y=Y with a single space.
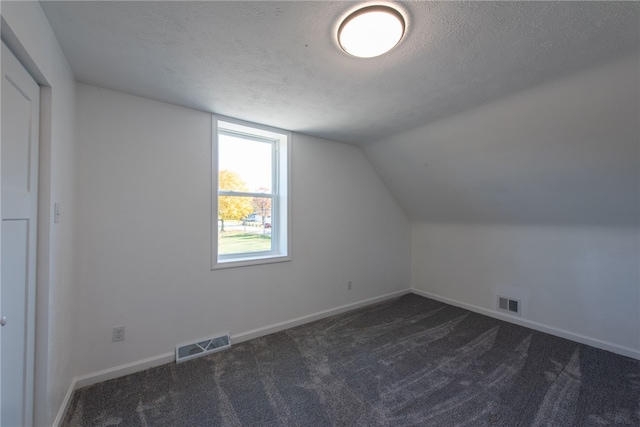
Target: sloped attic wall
x=535 y=196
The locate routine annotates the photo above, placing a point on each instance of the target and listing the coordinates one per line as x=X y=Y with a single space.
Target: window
x=251 y=198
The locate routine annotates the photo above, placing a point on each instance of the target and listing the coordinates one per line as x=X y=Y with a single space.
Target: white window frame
x=281 y=202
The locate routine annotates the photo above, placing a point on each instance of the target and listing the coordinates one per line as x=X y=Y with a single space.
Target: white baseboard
x=277 y=327
x=604 y=345
x=65 y=404
x=140 y=365
x=108 y=374
x=122 y=370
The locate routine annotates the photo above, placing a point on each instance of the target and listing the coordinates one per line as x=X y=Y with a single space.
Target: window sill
x=246 y=262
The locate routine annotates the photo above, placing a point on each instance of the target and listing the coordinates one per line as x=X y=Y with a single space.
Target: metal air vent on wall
x=200 y=348
x=509 y=305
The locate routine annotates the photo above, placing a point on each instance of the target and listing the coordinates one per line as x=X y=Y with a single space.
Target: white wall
x=144 y=234
x=583 y=280
x=563 y=153
x=537 y=196
x=27 y=32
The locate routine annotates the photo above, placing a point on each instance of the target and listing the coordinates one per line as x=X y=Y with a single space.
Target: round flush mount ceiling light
x=371 y=31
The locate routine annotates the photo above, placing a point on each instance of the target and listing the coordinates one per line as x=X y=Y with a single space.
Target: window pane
x=252 y=210
x=246 y=160
x=244 y=224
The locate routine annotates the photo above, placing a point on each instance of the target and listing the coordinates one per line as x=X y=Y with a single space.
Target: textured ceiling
x=278 y=63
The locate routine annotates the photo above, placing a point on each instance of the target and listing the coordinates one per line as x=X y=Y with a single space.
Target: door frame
x=23 y=211
x=42 y=307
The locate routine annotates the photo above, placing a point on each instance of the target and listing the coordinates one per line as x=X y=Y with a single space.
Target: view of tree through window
x=251 y=209
x=245 y=181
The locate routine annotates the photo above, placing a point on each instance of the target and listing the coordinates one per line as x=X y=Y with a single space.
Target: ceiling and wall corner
x=279 y=63
x=494 y=96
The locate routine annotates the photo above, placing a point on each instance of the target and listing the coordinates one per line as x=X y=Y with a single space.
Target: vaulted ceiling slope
x=278 y=63
x=564 y=153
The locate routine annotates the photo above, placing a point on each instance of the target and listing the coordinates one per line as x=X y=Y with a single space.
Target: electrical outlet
x=349 y=285
x=118 y=333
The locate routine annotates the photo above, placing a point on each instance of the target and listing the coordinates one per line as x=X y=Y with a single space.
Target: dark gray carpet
x=410 y=361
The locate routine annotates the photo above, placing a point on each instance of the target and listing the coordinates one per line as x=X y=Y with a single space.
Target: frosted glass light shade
x=371 y=31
